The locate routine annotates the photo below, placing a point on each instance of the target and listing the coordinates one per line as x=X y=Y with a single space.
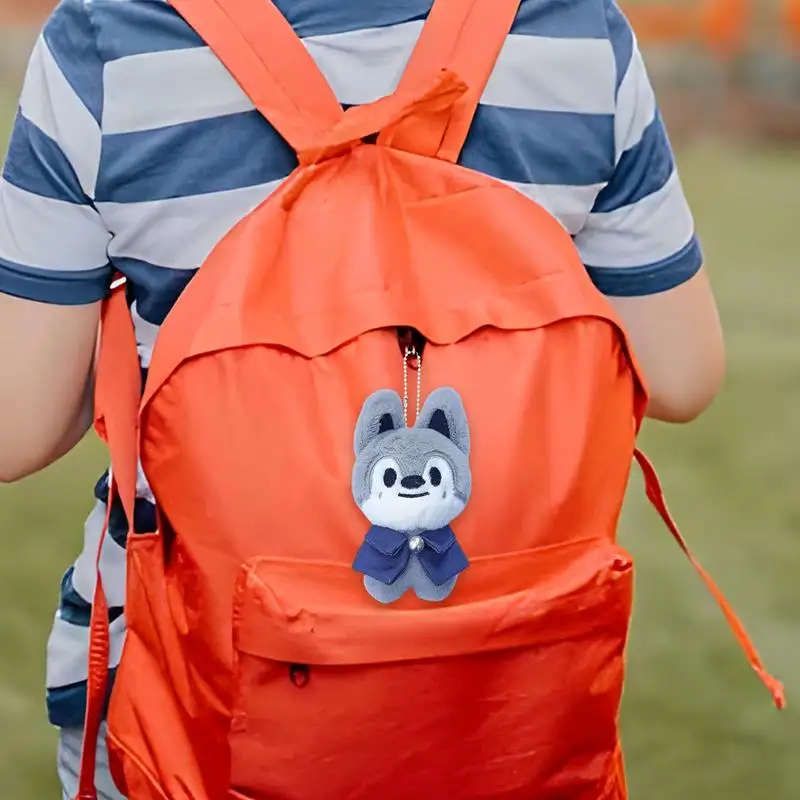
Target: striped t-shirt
x=135 y=151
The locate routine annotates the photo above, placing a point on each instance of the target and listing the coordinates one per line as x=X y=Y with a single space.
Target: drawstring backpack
x=388 y=426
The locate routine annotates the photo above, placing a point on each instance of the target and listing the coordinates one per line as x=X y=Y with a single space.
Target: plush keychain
x=411 y=483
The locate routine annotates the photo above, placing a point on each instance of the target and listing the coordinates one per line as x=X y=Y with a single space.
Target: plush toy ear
x=444 y=413
x=382 y=413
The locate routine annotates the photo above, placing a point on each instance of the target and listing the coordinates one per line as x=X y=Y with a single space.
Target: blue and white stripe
x=134 y=150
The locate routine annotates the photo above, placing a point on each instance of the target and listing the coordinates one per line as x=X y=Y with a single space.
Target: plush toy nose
x=412 y=482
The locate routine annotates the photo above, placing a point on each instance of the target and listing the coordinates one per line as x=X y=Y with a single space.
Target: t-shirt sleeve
x=53 y=244
x=639 y=238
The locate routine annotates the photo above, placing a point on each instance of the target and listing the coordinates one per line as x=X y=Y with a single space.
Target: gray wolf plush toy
x=411 y=483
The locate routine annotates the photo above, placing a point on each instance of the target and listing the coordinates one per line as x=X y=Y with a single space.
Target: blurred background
x=697 y=722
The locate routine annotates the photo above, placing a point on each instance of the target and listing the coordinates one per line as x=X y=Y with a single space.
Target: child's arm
x=46 y=389
x=679 y=344
x=640 y=248
x=54 y=266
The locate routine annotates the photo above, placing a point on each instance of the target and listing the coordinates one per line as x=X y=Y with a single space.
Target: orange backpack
x=354 y=594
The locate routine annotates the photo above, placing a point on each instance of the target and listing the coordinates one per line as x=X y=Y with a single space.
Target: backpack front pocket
x=507 y=697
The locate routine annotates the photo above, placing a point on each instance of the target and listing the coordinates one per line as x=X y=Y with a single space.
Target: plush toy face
x=412 y=499
x=412 y=479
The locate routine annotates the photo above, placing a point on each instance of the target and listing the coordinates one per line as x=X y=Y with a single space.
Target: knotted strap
x=255 y=42
x=464 y=37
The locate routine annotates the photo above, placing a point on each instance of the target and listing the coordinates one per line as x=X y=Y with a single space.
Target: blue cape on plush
x=386 y=553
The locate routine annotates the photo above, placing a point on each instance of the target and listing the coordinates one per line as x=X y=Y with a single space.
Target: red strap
x=117 y=394
x=656 y=496
x=464 y=37
x=258 y=46
x=97 y=691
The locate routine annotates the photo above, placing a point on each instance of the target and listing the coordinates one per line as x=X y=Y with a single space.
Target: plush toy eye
x=389 y=478
x=435 y=476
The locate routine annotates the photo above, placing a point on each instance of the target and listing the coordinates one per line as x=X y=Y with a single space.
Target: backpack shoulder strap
x=260 y=49
x=655 y=494
x=464 y=37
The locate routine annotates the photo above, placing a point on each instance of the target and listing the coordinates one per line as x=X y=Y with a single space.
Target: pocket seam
x=509 y=620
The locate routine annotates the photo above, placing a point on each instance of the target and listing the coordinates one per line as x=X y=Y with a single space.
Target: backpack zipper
x=411 y=340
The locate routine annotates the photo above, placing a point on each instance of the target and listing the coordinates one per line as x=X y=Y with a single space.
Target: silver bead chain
x=411 y=352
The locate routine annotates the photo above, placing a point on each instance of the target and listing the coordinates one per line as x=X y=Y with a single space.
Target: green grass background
x=697 y=723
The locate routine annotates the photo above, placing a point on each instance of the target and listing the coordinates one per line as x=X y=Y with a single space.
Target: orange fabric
x=255 y=665
x=418 y=665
